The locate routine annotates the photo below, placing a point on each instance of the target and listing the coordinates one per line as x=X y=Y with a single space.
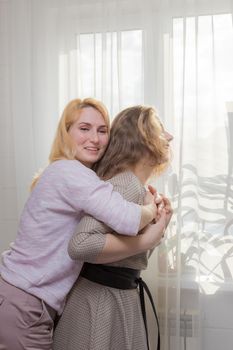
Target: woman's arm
x=120 y=247
x=90 y=237
x=97 y=248
x=83 y=190
x=93 y=241
x=148 y=213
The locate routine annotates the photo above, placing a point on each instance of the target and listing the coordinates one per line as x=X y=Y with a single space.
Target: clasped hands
x=162 y=203
x=162 y=215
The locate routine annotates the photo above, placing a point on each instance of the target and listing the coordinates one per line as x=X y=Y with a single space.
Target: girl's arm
x=102 y=249
x=119 y=247
x=93 y=243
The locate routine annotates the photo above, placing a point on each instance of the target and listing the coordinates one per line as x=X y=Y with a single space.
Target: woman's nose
x=169 y=137
x=94 y=136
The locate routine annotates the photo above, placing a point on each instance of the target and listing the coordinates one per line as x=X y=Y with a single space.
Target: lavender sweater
x=37 y=261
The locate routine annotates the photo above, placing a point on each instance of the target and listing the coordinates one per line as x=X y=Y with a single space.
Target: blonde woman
x=103 y=310
x=36 y=272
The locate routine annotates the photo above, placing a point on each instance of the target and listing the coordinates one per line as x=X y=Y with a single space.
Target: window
x=107 y=66
x=203 y=83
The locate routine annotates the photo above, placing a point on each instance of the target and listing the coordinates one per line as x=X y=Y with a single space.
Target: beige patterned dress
x=98 y=317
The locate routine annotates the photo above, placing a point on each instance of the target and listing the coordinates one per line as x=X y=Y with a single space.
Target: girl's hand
x=157 y=196
x=154 y=233
x=149 y=201
x=158 y=200
x=168 y=209
x=162 y=202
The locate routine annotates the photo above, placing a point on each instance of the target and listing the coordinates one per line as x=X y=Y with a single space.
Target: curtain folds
x=178 y=56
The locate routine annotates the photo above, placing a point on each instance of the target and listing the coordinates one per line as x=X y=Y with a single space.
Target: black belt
x=122 y=278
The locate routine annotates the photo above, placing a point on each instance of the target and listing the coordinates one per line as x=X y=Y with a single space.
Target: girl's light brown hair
x=136 y=132
x=63 y=146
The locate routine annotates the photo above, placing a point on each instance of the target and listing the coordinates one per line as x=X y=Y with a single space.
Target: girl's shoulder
x=129 y=185
x=125 y=179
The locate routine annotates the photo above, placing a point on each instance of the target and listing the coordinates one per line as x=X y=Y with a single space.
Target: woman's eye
x=103 y=131
x=84 y=129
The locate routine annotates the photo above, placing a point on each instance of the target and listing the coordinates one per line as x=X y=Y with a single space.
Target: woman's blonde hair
x=136 y=132
x=63 y=146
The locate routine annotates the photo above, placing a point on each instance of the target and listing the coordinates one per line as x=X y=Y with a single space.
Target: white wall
x=217 y=323
x=8 y=194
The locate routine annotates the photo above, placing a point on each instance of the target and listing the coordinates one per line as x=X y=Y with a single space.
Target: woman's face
x=90 y=134
x=167 y=137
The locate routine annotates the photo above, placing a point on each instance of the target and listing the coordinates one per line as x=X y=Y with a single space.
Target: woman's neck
x=142 y=170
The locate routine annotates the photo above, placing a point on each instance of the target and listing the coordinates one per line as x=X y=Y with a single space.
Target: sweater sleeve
x=89 y=238
x=85 y=191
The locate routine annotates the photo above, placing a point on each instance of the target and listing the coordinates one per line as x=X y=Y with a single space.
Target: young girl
x=37 y=273
x=103 y=310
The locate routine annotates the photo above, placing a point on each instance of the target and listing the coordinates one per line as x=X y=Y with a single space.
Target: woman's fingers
x=162 y=203
x=157 y=197
x=152 y=189
x=149 y=198
x=161 y=222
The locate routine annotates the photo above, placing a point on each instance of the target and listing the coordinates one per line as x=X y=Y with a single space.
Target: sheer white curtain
x=195 y=264
x=178 y=56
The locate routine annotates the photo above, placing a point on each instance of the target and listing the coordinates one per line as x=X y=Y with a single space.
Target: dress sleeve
x=85 y=191
x=89 y=239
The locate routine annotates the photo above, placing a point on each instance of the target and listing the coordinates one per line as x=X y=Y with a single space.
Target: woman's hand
x=149 y=210
x=154 y=200
x=118 y=247
x=168 y=209
x=154 y=233
x=162 y=202
x=152 y=195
